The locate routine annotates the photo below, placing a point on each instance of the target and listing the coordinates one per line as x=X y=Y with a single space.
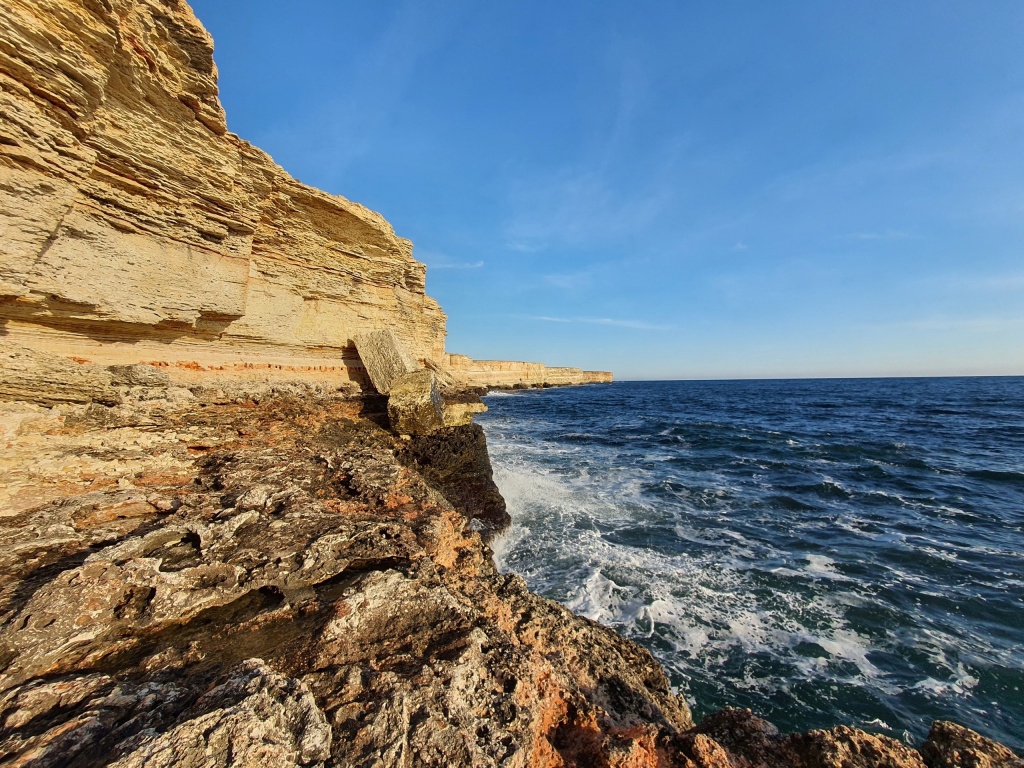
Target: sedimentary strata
x=135 y=228
x=242 y=555
x=507 y=374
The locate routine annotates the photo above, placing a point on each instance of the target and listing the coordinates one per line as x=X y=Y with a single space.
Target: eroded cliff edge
x=267 y=577
x=136 y=228
x=236 y=564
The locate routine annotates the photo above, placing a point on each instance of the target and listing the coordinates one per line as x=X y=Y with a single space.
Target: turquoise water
x=824 y=552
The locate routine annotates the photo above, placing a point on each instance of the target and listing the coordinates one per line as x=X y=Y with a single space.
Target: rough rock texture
x=204 y=583
x=455 y=461
x=952 y=746
x=502 y=374
x=134 y=228
x=39 y=377
x=252 y=570
x=384 y=359
x=415 y=406
x=194 y=581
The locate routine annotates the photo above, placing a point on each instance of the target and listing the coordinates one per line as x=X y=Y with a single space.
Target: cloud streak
x=457 y=265
x=636 y=325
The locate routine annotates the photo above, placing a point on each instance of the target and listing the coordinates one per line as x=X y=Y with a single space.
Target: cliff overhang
x=225 y=557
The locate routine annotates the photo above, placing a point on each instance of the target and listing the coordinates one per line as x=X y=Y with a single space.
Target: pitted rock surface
x=212 y=581
x=289 y=556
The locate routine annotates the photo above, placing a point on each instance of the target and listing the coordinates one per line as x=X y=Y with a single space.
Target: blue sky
x=669 y=189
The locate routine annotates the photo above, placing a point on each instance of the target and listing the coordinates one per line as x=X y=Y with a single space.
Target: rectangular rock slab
x=384 y=358
x=415 y=406
x=35 y=376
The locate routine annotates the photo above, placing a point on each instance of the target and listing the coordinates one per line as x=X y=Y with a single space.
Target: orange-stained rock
x=280 y=577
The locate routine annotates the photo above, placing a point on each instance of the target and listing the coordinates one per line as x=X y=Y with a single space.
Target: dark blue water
x=824 y=552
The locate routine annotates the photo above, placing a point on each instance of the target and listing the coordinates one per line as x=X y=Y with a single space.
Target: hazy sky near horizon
x=669 y=189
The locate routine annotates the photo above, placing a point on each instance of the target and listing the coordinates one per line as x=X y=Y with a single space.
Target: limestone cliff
x=240 y=574
x=511 y=374
x=135 y=228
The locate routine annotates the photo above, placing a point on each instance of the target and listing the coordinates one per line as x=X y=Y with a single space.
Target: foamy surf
x=699 y=522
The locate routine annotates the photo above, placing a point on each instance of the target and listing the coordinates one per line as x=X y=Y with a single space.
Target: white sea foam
x=699 y=563
x=823 y=567
x=702 y=607
x=959 y=684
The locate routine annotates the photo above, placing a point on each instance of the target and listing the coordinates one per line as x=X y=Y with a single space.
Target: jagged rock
x=952 y=746
x=415 y=406
x=290 y=532
x=845 y=747
x=455 y=462
x=256 y=718
x=745 y=735
x=384 y=358
x=138 y=376
x=255 y=572
x=461 y=414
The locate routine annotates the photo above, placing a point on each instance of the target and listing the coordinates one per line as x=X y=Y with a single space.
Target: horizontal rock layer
x=500 y=374
x=258 y=574
x=135 y=228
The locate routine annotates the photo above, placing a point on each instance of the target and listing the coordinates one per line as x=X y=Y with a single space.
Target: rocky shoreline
x=266 y=575
x=223 y=546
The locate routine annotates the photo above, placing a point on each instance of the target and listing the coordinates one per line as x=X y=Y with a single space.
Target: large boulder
x=384 y=358
x=415 y=406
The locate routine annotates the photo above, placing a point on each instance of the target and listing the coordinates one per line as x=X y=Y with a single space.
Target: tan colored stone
x=510 y=374
x=138 y=376
x=459 y=414
x=134 y=228
x=951 y=746
x=384 y=358
x=37 y=377
x=415 y=406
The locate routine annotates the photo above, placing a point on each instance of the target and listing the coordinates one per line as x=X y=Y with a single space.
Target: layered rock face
x=135 y=228
x=227 y=559
x=499 y=374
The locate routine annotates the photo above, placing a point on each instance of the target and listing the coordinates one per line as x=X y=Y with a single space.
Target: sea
x=825 y=552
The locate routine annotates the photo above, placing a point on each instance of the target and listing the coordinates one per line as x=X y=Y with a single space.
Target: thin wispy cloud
x=458 y=265
x=577 y=208
x=521 y=247
x=890 y=234
x=349 y=122
x=636 y=325
x=435 y=260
